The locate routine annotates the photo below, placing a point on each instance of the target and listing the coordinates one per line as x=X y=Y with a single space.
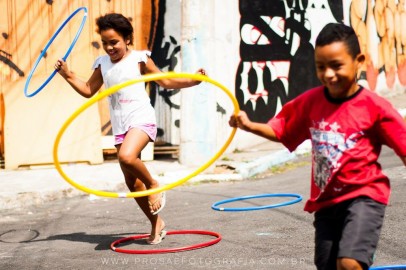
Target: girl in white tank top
x=132 y=116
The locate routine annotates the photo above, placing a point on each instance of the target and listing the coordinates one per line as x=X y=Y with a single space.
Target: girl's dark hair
x=118 y=23
x=338 y=32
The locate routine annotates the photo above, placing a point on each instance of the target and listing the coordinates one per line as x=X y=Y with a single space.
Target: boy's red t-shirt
x=347 y=136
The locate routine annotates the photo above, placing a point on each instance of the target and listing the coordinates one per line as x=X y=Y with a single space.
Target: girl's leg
x=157 y=224
x=133 y=168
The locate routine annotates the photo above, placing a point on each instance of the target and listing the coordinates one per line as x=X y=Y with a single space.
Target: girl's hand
x=62 y=67
x=201 y=71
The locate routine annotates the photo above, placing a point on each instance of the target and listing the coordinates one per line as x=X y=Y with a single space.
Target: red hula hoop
x=167 y=250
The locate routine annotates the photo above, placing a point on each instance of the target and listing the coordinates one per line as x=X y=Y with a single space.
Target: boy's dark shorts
x=349 y=229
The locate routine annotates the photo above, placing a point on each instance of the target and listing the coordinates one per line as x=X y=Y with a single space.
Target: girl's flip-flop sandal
x=163 y=202
x=161 y=235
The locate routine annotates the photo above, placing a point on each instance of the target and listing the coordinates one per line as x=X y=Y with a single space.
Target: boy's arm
x=243 y=122
x=263 y=130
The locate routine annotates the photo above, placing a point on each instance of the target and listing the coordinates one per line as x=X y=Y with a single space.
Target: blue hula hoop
x=388 y=267
x=46 y=48
x=297 y=199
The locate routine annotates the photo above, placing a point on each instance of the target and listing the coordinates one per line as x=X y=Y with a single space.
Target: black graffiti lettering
x=262 y=83
x=8 y=62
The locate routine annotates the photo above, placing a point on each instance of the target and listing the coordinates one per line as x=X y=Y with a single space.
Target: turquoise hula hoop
x=297 y=199
x=46 y=48
x=388 y=267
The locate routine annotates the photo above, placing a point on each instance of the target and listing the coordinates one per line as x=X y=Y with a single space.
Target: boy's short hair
x=336 y=32
x=118 y=23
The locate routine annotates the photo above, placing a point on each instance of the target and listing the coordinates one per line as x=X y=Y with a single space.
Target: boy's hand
x=240 y=120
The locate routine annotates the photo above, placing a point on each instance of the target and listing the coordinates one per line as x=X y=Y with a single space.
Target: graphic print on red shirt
x=328 y=147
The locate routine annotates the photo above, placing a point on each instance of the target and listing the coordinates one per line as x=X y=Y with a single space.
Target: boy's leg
x=328 y=224
x=347 y=232
x=361 y=230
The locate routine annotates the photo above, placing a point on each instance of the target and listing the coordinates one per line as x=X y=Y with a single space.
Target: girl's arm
x=243 y=122
x=173 y=83
x=85 y=89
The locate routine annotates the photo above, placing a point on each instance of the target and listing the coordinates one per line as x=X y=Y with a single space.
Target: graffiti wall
x=166 y=55
x=277 y=46
x=277 y=52
x=380 y=26
x=30 y=24
x=268 y=59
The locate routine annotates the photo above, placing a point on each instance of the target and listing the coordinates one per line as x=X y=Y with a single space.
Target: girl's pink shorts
x=150 y=129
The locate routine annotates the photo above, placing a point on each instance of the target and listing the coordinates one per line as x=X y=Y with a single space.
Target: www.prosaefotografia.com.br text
x=202 y=261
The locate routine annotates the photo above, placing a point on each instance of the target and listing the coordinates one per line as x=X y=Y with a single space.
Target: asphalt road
x=76 y=233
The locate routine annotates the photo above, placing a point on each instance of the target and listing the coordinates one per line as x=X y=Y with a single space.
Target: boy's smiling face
x=337 y=69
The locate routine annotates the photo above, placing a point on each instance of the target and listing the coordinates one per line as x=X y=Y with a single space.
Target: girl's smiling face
x=114 y=44
x=337 y=69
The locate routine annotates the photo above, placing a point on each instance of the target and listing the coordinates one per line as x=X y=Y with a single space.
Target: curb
x=62 y=189
x=262 y=164
x=274 y=159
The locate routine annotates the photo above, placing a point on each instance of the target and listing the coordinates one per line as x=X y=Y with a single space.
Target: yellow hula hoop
x=111 y=90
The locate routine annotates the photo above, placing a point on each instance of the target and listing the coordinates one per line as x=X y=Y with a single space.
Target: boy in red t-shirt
x=347 y=126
